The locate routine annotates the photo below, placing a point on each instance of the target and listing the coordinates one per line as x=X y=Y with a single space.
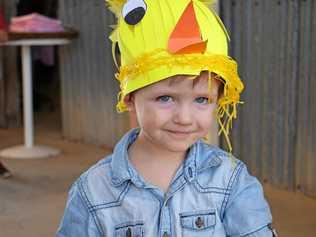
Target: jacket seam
x=176 y=190
x=180 y=176
x=212 y=189
x=86 y=201
x=94 y=208
x=231 y=181
x=252 y=232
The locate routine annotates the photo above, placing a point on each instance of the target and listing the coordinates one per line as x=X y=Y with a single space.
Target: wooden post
x=9 y=83
x=2 y=94
x=2 y=86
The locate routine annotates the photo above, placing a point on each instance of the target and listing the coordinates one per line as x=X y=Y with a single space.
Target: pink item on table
x=3 y=24
x=35 y=23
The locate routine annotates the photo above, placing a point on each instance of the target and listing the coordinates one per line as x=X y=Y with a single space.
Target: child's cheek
x=163 y=105
x=159 y=111
x=205 y=114
x=207 y=108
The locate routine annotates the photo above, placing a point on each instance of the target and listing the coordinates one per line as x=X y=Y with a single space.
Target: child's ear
x=129 y=101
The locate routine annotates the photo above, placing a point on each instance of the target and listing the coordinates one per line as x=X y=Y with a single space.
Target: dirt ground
x=33 y=200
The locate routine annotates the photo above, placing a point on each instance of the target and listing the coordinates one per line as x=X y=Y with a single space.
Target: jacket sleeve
x=77 y=221
x=246 y=212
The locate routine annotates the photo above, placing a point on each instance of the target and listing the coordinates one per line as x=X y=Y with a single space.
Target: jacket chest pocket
x=129 y=229
x=198 y=223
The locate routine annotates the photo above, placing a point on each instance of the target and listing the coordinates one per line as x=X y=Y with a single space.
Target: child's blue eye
x=202 y=100
x=164 y=98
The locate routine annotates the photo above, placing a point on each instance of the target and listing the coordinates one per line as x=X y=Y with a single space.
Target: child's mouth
x=179 y=134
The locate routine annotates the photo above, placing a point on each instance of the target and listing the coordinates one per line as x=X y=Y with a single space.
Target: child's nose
x=183 y=115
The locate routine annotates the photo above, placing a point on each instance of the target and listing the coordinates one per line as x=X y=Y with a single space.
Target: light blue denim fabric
x=209 y=196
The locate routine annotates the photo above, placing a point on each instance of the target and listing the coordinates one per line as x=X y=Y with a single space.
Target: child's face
x=175 y=112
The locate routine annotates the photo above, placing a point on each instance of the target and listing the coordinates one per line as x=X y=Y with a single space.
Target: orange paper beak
x=186 y=37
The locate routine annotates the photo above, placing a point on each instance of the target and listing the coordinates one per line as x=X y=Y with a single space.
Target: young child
x=162 y=179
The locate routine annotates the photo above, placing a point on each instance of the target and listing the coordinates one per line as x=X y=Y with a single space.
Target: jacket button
x=199 y=222
x=165 y=234
x=190 y=172
x=128 y=232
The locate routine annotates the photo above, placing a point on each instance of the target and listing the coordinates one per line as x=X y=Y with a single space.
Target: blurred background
x=76 y=95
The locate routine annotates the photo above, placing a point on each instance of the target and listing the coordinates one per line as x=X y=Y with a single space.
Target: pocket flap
x=130 y=229
x=198 y=220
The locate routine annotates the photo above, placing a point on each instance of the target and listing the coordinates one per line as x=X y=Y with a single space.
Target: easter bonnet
x=158 y=39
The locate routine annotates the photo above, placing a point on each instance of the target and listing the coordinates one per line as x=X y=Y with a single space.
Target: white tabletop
x=36 y=42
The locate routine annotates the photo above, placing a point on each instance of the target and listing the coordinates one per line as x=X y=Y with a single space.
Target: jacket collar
x=120 y=163
x=200 y=156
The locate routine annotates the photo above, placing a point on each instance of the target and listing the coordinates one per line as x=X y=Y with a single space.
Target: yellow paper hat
x=163 y=38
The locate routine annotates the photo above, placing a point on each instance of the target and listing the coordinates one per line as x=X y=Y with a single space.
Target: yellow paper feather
x=208 y=2
x=115 y=6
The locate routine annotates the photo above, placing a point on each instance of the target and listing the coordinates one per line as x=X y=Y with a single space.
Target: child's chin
x=178 y=147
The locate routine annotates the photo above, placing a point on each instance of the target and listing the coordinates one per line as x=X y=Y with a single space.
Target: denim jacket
x=210 y=195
